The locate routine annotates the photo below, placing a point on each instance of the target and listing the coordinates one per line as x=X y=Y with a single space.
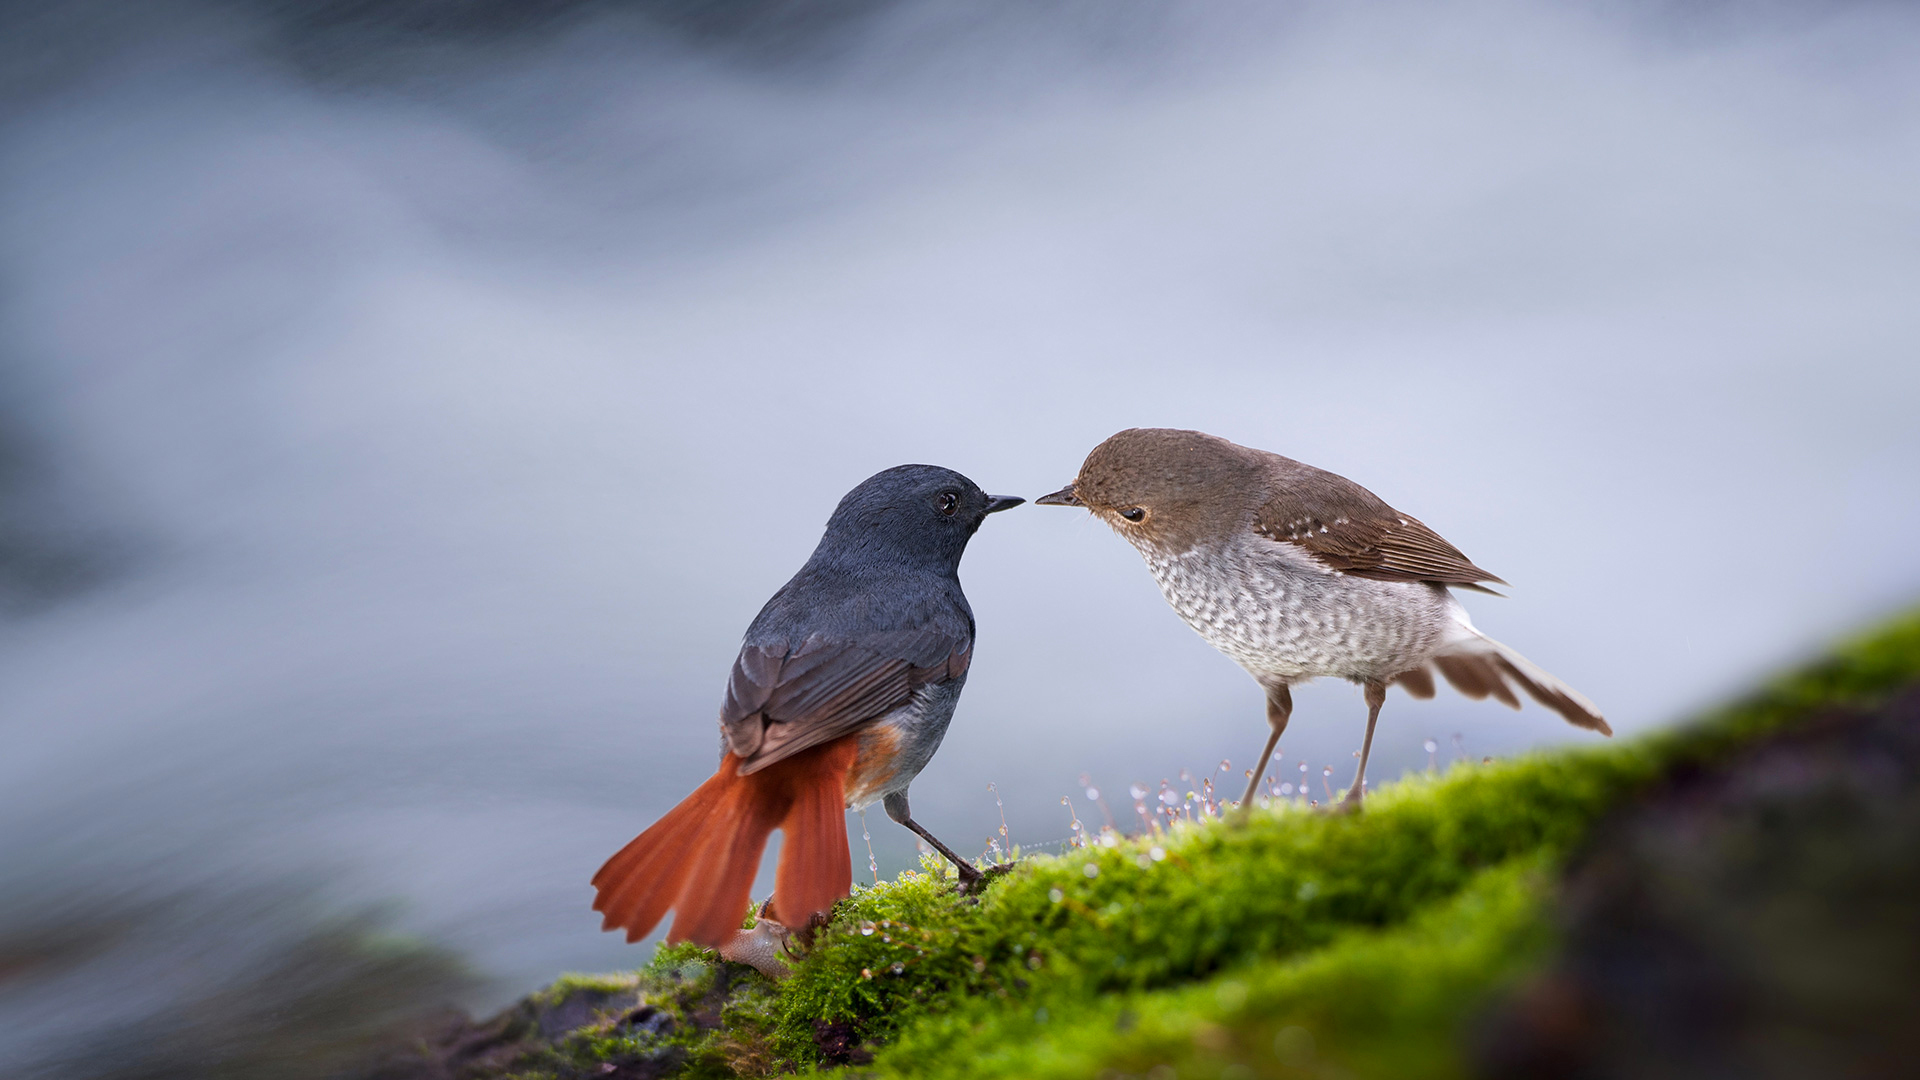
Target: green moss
x=1056 y=937
x=1321 y=1013
x=1297 y=944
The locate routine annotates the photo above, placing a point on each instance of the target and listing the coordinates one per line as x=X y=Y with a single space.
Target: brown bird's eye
x=948 y=502
x=1133 y=513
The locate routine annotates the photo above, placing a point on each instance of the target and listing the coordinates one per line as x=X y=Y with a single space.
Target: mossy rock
x=1401 y=942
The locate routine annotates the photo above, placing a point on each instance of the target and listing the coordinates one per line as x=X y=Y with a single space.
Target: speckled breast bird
x=1297 y=573
x=842 y=691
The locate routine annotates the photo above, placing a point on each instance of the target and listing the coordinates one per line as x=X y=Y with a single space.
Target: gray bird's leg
x=1279 y=708
x=896 y=804
x=1376 y=697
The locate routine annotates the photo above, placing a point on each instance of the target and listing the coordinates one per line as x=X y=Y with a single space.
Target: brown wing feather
x=781 y=702
x=1352 y=530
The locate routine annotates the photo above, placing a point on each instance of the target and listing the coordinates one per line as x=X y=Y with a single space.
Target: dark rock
x=650 y=1020
x=661 y=1063
x=580 y=1008
x=840 y=1044
x=1754 y=918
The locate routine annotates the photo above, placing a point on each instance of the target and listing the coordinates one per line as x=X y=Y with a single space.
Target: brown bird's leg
x=1376 y=697
x=896 y=805
x=1279 y=708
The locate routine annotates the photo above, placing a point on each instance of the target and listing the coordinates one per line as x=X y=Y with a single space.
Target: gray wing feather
x=781 y=701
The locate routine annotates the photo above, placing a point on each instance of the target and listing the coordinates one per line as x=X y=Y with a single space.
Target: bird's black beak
x=1063 y=497
x=997 y=503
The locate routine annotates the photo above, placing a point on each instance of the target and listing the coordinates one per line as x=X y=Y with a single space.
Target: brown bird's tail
x=700 y=859
x=1479 y=667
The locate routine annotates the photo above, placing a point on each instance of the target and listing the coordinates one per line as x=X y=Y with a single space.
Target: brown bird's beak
x=997 y=503
x=1063 y=497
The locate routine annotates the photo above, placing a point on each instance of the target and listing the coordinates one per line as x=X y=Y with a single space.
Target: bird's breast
x=1279 y=613
x=894 y=748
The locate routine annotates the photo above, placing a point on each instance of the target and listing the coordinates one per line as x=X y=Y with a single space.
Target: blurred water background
x=404 y=407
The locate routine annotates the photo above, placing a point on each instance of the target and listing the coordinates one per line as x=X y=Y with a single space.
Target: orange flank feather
x=700 y=859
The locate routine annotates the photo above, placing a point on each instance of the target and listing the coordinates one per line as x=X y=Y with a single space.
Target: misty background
x=404 y=407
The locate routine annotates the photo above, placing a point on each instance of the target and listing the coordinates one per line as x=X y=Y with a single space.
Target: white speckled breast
x=1286 y=617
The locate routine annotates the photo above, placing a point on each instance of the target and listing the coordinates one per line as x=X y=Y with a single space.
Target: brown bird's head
x=1165 y=489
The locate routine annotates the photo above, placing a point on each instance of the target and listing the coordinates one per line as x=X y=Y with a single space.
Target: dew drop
x=1430 y=746
x=1092 y=870
x=866 y=929
x=1139 y=793
x=1056 y=895
x=1093 y=794
x=899 y=968
x=1156 y=853
x=1286 y=789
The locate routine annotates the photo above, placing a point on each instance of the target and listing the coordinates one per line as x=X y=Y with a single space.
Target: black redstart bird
x=842 y=691
x=1297 y=573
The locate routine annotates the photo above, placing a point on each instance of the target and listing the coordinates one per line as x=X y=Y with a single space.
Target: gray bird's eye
x=1133 y=513
x=948 y=502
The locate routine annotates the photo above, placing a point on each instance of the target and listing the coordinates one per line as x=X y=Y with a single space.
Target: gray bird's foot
x=974 y=878
x=763 y=948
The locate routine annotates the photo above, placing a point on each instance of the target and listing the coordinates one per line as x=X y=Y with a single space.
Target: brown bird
x=1297 y=573
x=842 y=691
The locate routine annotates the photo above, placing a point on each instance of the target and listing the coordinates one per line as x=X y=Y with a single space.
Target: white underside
x=1286 y=617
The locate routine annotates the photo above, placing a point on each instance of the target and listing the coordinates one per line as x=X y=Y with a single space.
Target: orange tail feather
x=815 y=869
x=701 y=858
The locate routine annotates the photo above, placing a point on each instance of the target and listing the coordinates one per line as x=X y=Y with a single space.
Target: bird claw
x=763 y=948
x=973 y=879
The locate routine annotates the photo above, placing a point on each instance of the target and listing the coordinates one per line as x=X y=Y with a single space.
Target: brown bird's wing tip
x=1063 y=497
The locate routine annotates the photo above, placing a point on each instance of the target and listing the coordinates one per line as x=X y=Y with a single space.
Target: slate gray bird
x=842 y=691
x=1297 y=573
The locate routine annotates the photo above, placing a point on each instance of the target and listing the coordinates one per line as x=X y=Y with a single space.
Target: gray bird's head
x=910 y=515
x=1163 y=488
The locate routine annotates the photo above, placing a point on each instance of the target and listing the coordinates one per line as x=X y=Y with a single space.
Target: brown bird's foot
x=1352 y=804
